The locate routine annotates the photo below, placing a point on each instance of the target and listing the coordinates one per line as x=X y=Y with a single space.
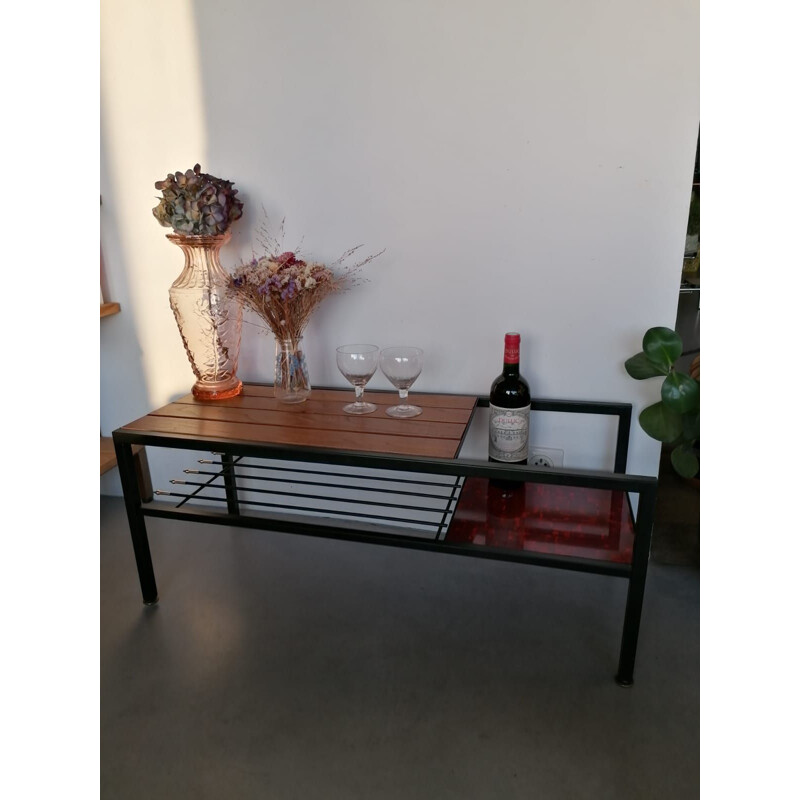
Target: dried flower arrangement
x=196 y=203
x=284 y=289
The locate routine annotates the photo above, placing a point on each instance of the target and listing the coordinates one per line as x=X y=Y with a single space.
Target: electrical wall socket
x=545 y=457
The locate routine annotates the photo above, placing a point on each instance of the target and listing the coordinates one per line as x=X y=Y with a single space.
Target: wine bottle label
x=508 y=433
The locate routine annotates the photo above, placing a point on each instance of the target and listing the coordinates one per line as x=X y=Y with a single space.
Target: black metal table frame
x=644 y=486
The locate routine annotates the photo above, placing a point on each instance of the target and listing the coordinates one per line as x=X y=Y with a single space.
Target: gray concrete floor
x=280 y=666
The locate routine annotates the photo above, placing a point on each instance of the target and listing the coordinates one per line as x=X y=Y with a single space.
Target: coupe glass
x=402 y=366
x=358 y=362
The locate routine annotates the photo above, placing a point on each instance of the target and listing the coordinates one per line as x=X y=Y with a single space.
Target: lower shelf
x=592 y=524
x=533 y=522
x=363 y=497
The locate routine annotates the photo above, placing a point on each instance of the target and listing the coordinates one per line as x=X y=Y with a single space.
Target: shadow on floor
x=281 y=666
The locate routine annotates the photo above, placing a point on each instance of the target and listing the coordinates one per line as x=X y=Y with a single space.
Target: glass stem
x=403 y=397
x=359 y=395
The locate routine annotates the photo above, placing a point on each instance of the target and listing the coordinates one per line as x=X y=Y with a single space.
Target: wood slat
x=108 y=456
x=106 y=309
x=303 y=437
x=331 y=407
x=300 y=417
x=379 y=398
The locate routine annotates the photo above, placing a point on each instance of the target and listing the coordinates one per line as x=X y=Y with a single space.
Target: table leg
x=143 y=475
x=229 y=476
x=443 y=523
x=633 y=607
x=133 y=505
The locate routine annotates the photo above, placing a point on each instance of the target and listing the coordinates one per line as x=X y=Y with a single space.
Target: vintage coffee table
x=311 y=469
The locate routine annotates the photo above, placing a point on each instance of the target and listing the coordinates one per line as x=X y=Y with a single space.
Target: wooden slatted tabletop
x=256 y=416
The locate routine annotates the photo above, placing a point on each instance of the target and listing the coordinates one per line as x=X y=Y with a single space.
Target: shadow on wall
x=118 y=335
x=143 y=362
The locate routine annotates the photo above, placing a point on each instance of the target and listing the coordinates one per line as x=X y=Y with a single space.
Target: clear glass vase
x=209 y=316
x=291 y=371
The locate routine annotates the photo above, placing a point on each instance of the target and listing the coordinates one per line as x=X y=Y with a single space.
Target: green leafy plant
x=675 y=419
x=196 y=203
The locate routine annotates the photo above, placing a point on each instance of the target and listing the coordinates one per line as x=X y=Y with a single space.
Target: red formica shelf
x=560 y=520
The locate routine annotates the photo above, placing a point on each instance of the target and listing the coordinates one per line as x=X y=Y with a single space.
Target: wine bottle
x=509 y=409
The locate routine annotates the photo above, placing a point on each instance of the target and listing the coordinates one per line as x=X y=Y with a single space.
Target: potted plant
x=200 y=209
x=675 y=419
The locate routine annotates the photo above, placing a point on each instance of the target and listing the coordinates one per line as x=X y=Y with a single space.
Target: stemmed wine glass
x=358 y=362
x=402 y=366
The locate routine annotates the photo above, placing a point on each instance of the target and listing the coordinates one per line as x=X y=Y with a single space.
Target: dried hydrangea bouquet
x=283 y=290
x=200 y=210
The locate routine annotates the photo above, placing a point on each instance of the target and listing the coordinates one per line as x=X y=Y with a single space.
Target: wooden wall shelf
x=108 y=460
x=108 y=456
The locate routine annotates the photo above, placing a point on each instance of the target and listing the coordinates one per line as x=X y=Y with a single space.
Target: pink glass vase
x=209 y=316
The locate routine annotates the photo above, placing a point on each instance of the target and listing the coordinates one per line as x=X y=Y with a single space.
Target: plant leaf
x=641 y=367
x=661 y=423
x=681 y=392
x=663 y=347
x=685 y=461
x=691 y=427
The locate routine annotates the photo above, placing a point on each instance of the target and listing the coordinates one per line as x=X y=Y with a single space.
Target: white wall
x=526 y=163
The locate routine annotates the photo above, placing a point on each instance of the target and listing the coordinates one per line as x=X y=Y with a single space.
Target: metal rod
x=229 y=477
x=325 y=483
x=311 y=528
x=138 y=528
x=192 y=496
x=310 y=510
x=305 y=496
x=467 y=428
x=197 y=491
x=456 y=485
x=633 y=606
x=623 y=439
x=537 y=404
x=593 y=479
x=387 y=478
